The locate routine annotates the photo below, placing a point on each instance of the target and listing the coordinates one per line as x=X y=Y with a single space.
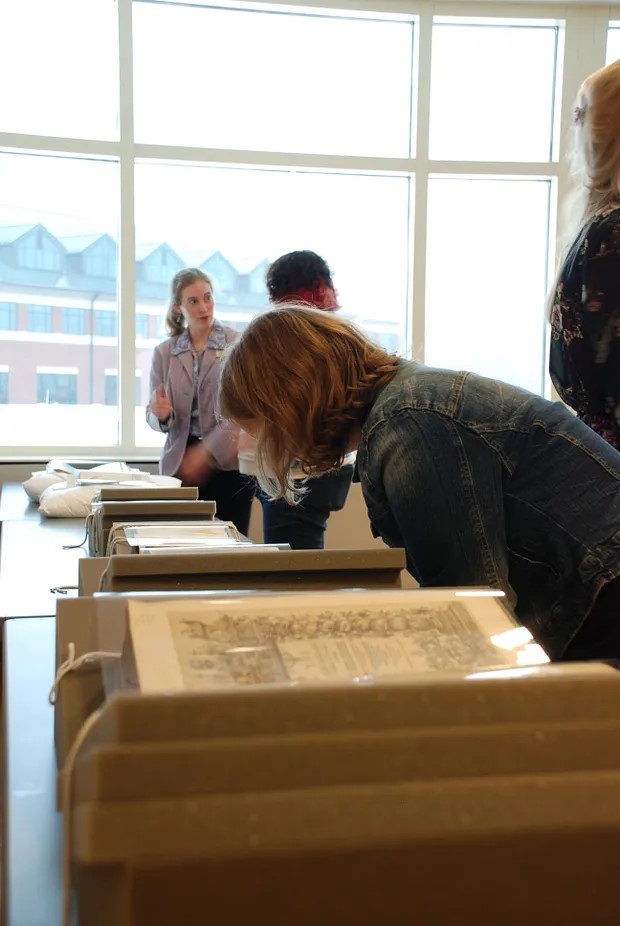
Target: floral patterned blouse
x=584 y=360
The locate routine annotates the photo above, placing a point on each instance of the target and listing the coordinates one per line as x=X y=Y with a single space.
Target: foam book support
x=243 y=572
x=165 y=505
x=385 y=756
x=483 y=801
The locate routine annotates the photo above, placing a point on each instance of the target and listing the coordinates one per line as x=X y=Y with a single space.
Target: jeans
x=303 y=525
x=233 y=494
x=231 y=491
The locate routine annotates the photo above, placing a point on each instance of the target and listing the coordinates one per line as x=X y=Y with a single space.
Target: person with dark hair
x=184 y=375
x=304 y=277
x=482 y=483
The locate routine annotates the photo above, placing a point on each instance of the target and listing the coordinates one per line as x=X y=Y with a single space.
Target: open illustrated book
x=322 y=637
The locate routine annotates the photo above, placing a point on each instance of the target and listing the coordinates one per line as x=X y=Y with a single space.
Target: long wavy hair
x=175 y=323
x=304 y=379
x=595 y=160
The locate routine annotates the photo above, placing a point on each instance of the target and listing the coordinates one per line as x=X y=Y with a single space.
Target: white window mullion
x=15 y=141
x=585 y=47
x=423 y=88
x=127 y=265
x=274 y=159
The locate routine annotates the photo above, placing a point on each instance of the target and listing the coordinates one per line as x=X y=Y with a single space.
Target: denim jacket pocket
x=540 y=587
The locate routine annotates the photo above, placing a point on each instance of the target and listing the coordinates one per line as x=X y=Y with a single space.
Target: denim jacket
x=483 y=483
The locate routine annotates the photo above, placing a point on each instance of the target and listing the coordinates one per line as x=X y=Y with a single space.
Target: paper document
x=310 y=637
x=181 y=536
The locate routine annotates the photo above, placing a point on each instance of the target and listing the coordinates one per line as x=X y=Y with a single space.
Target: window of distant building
x=111 y=387
x=100 y=264
x=8 y=316
x=160 y=267
x=39 y=318
x=105 y=323
x=142 y=325
x=139 y=398
x=73 y=321
x=59 y=386
x=38 y=252
x=4 y=385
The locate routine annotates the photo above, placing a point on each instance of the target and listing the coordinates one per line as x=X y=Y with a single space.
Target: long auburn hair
x=305 y=379
x=595 y=160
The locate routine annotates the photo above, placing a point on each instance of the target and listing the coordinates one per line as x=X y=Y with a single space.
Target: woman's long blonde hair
x=305 y=379
x=595 y=159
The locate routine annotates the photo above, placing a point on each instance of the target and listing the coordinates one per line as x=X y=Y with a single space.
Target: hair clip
x=579 y=115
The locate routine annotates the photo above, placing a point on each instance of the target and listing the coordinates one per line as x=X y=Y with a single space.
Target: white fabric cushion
x=59 y=496
x=61 y=501
x=167 y=482
x=39 y=482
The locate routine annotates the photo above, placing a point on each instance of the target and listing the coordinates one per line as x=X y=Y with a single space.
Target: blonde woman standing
x=184 y=375
x=584 y=304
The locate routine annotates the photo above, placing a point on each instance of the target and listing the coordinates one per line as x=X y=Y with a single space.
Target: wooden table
x=32 y=828
x=33 y=561
x=32 y=555
x=15 y=505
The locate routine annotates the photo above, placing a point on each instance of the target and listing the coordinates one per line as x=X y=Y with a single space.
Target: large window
x=419 y=148
x=490 y=305
x=323 y=110
x=69 y=87
x=613 y=43
x=288 y=212
x=495 y=124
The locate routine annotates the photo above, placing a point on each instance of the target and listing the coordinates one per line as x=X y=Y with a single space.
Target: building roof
x=77 y=244
x=11 y=233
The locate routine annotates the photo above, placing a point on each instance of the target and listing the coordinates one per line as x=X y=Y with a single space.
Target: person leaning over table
x=482 y=483
x=184 y=374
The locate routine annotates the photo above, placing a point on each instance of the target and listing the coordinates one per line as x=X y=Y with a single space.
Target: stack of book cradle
x=117 y=505
x=348 y=757
x=189 y=549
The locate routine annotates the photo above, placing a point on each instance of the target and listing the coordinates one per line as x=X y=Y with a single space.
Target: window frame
x=584 y=31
